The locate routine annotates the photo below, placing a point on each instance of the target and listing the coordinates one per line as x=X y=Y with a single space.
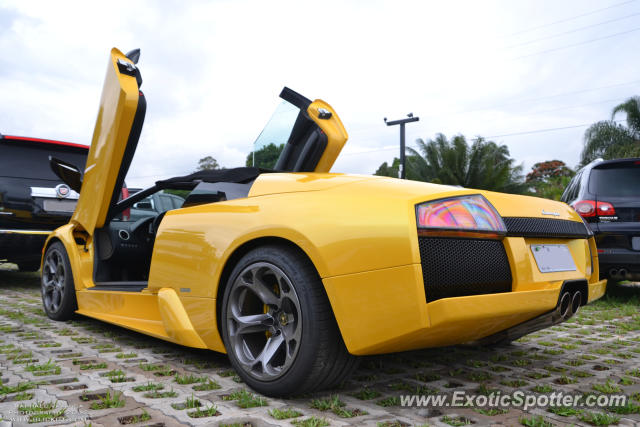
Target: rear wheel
x=58 y=290
x=278 y=327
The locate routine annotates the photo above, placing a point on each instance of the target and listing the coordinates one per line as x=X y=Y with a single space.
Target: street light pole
x=402 y=122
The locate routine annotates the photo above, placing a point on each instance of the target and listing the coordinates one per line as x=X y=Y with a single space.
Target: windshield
x=271 y=141
x=621 y=181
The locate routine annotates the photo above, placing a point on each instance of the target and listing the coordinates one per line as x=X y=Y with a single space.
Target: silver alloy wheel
x=264 y=321
x=53 y=278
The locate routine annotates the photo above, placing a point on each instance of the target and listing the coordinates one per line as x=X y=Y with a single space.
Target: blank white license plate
x=60 y=205
x=552 y=258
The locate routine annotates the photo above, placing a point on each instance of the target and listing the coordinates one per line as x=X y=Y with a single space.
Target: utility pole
x=402 y=122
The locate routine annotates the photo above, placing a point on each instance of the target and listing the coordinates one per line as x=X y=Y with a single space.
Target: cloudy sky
x=529 y=74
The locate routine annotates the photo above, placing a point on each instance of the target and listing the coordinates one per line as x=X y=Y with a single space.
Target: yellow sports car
x=294 y=272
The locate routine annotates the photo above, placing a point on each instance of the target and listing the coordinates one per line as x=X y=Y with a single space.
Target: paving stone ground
x=71 y=373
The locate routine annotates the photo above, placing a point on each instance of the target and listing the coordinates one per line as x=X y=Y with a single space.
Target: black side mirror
x=147 y=206
x=68 y=173
x=134 y=55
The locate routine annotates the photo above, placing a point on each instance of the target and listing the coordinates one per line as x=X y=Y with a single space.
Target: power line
x=578 y=44
x=570 y=107
x=525 y=101
x=568 y=19
x=570 y=31
x=542 y=130
x=542 y=98
x=490 y=136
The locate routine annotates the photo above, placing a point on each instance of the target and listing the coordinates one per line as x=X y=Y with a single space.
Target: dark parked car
x=33 y=200
x=607 y=195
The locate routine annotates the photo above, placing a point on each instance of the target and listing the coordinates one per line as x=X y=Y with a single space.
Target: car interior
x=124 y=247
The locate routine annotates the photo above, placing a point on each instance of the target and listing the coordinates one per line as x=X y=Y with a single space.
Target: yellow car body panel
x=115 y=117
x=359 y=232
x=334 y=129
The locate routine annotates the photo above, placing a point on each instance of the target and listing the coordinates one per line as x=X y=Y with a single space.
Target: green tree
x=207 y=163
x=549 y=179
x=392 y=170
x=266 y=157
x=482 y=165
x=610 y=140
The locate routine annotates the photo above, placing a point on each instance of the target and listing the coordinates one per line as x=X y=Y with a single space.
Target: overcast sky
x=509 y=70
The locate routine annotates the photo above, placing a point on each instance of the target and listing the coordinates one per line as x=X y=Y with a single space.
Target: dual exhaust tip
x=620 y=274
x=569 y=305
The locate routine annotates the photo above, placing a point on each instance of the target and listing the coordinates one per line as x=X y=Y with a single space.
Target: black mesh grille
x=542 y=227
x=459 y=267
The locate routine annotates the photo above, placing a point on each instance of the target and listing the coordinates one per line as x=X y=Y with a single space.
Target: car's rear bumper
x=22 y=245
x=388 y=319
x=386 y=310
x=618 y=248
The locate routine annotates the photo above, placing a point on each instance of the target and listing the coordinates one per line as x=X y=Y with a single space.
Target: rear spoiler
x=44 y=141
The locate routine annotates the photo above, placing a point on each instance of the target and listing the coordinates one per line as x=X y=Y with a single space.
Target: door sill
x=119 y=286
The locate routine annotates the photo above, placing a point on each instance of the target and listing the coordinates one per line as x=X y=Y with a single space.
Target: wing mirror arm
x=68 y=173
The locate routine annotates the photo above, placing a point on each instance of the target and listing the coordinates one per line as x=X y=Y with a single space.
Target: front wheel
x=58 y=290
x=278 y=326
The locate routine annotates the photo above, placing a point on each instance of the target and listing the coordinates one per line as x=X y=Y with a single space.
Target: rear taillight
x=585 y=208
x=464 y=216
x=591 y=208
x=605 y=209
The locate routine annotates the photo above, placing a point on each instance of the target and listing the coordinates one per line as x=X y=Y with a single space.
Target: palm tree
x=483 y=165
x=609 y=139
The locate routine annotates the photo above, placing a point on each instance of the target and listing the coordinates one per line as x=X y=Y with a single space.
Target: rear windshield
x=618 y=181
x=20 y=159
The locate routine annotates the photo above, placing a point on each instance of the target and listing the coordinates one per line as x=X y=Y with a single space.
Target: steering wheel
x=141 y=228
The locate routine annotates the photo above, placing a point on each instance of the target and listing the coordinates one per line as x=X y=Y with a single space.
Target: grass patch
x=492 y=412
x=150 y=367
x=25 y=395
x=126 y=355
x=564 y=411
x=607 y=388
x=189 y=379
x=134 y=419
x=389 y=401
x=366 y=394
x=148 y=387
x=514 y=383
x=190 y=403
x=90 y=366
x=311 y=422
x=207 y=385
x=209 y=411
x=110 y=400
x=47 y=368
x=283 y=414
x=565 y=380
x=629 y=408
x=598 y=418
x=456 y=422
x=22 y=386
x=535 y=421
x=157 y=394
x=246 y=399
x=542 y=388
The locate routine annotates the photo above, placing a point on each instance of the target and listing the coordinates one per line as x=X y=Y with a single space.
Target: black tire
x=58 y=289
x=317 y=360
x=30 y=266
